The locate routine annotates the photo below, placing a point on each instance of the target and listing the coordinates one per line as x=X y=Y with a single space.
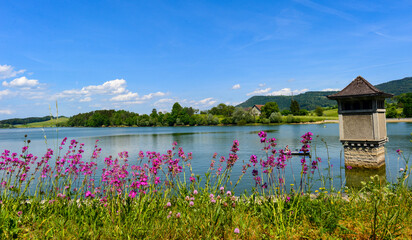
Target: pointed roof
x=258 y=106
x=359 y=87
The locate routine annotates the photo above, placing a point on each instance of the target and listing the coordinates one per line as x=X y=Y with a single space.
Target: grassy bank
x=160 y=197
x=49 y=123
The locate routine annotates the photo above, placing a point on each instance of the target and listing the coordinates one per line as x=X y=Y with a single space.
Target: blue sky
x=140 y=55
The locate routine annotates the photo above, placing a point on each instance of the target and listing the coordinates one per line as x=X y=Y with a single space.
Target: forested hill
x=15 y=121
x=310 y=100
x=397 y=87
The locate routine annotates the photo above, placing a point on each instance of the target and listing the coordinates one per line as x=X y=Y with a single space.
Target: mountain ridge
x=311 y=99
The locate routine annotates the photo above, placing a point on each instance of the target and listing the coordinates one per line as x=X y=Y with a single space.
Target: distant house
x=256 y=110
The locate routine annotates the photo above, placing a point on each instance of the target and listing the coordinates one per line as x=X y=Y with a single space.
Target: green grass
x=204 y=208
x=331 y=113
x=49 y=123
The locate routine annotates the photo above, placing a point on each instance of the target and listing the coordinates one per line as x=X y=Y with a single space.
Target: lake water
x=205 y=141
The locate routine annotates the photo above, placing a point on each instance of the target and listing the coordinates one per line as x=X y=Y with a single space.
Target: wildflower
x=195 y=192
x=191 y=203
x=168 y=204
x=211 y=195
x=399 y=151
x=19 y=213
x=229 y=193
x=213 y=200
x=236 y=230
x=253 y=159
x=401 y=169
x=222 y=189
x=192 y=198
x=178 y=215
x=89 y=194
x=187 y=198
x=287 y=199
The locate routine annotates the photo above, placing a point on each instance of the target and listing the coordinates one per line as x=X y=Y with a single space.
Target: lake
x=204 y=141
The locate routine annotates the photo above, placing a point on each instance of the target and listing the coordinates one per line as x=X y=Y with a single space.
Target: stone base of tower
x=362 y=155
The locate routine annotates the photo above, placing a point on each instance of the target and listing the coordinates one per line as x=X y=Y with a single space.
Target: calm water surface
x=204 y=141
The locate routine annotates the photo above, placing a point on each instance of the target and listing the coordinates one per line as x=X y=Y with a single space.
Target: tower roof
x=359 y=87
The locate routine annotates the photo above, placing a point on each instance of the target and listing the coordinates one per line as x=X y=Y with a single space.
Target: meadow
x=62 y=195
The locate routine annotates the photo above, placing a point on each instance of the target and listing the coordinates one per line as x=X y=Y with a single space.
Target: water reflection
x=355 y=176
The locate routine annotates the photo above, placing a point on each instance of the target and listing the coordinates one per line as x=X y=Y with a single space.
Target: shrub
x=275 y=117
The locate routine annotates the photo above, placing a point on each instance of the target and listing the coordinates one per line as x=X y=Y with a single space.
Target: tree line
x=184 y=116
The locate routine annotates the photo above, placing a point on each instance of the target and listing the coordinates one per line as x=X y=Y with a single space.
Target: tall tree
x=269 y=108
x=294 y=107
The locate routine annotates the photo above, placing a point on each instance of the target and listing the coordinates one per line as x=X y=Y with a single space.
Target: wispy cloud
x=207 y=101
x=330 y=89
x=86 y=99
x=236 y=86
x=4 y=93
x=7 y=71
x=328 y=10
x=259 y=92
x=6 y=111
x=287 y=92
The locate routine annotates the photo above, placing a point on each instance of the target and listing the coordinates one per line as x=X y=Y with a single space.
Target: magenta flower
x=195 y=192
x=168 y=204
x=349 y=167
x=229 y=193
x=89 y=194
x=132 y=194
x=237 y=231
x=191 y=203
x=19 y=213
x=178 y=215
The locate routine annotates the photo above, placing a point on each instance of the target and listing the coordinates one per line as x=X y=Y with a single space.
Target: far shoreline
x=326 y=121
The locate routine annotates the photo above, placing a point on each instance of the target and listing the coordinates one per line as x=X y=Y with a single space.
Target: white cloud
x=21 y=82
x=7 y=71
x=287 y=92
x=4 y=93
x=151 y=95
x=117 y=86
x=207 y=101
x=330 y=89
x=164 y=100
x=5 y=111
x=125 y=97
x=236 y=86
x=259 y=92
x=262 y=84
x=86 y=99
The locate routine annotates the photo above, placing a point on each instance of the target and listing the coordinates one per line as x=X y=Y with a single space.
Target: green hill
x=310 y=100
x=397 y=87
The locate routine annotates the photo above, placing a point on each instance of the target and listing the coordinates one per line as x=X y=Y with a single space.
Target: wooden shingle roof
x=359 y=87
